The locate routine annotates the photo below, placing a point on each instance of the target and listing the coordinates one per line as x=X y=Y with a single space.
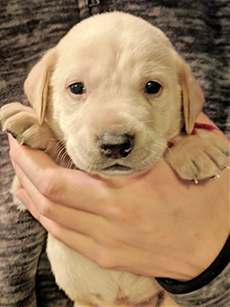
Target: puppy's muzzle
x=115 y=146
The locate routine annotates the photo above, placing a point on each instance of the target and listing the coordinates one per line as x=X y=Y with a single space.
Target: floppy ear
x=37 y=83
x=193 y=98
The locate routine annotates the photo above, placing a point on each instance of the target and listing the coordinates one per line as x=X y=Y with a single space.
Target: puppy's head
x=115 y=91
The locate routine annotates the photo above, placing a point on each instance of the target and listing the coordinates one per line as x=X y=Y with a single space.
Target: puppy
x=111 y=99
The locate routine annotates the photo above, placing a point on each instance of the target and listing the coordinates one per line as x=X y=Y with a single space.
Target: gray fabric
x=216 y=293
x=27 y=29
x=200 y=31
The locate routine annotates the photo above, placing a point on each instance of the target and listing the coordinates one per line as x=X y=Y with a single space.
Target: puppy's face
x=114 y=94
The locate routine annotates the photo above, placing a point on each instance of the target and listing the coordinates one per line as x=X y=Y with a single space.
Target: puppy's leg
x=199 y=156
x=22 y=123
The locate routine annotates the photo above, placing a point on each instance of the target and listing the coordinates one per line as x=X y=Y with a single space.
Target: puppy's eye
x=152 y=87
x=77 y=88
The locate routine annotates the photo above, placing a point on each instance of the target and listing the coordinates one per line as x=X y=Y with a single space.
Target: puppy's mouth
x=121 y=170
x=117 y=167
x=115 y=170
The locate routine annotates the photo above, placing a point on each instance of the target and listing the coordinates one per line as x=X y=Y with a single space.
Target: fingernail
x=11 y=133
x=14 y=164
x=11 y=137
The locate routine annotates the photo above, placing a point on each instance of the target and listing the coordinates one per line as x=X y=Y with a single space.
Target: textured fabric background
x=200 y=31
x=27 y=29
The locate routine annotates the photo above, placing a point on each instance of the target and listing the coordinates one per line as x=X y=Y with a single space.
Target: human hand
x=154 y=224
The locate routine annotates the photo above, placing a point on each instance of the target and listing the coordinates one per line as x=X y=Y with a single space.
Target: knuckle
x=49 y=185
x=115 y=212
x=108 y=237
x=105 y=260
x=105 y=254
x=125 y=215
x=56 y=233
x=46 y=208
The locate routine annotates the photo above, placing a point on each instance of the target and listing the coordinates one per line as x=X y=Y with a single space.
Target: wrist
x=201 y=232
x=218 y=265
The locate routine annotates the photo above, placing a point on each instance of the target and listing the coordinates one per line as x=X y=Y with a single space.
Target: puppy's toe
x=39 y=136
x=12 y=109
x=198 y=157
x=18 y=123
x=209 y=163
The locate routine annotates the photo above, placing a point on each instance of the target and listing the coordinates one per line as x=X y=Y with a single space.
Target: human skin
x=154 y=224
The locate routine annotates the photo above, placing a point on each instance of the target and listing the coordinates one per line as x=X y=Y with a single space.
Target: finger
x=78 y=241
x=55 y=182
x=39 y=206
x=22 y=195
x=94 y=247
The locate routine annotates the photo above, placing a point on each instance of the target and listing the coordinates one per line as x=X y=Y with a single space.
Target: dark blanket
x=200 y=31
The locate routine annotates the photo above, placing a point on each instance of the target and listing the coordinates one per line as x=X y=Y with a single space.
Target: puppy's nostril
x=116 y=146
x=116 y=151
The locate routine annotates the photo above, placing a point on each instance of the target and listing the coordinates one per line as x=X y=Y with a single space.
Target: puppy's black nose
x=116 y=146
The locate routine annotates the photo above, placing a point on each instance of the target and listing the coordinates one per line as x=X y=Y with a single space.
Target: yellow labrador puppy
x=111 y=99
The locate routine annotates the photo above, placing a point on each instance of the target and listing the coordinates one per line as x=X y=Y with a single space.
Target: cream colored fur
x=114 y=56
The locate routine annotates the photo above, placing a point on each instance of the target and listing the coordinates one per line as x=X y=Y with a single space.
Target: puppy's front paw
x=197 y=157
x=22 y=122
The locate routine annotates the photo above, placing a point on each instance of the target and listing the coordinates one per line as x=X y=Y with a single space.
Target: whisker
x=61 y=153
